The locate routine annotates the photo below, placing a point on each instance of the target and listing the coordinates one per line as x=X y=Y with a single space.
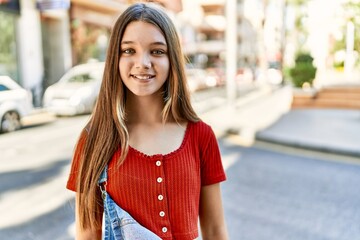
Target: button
x=160 y=197
x=158 y=163
x=159 y=179
x=162 y=214
x=164 y=229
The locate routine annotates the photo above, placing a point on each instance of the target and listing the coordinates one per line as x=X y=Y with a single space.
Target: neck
x=146 y=110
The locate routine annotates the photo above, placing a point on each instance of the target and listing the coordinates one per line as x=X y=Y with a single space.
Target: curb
x=307 y=146
x=38 y=117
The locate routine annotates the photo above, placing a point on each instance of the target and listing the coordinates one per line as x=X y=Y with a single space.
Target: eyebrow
x=153 y=43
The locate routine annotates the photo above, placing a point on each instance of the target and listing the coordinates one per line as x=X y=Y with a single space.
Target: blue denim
x=119 y=225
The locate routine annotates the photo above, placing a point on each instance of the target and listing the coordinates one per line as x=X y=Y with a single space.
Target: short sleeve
x=212 y=170
x=75 y=163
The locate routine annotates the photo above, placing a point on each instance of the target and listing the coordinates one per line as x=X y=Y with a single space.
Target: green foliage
x=303 y=71
x=352 y=13
x=339 y=65
x=8 y=63
x=303 y=58
x=352 y=10
x=6 y=38
x=298 y=2
x=286 y=74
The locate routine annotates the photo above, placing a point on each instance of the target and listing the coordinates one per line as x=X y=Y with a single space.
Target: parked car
x=15 y=104
x=76 y=92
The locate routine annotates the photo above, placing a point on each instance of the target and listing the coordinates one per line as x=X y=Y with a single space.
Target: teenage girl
x=163 y=163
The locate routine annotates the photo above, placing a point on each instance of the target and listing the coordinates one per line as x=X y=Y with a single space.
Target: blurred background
x=278 y=80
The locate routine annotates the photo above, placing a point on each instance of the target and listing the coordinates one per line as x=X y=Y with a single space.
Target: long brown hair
x=106 y=130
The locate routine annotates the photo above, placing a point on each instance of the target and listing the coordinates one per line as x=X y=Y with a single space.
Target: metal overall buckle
x=102 y=187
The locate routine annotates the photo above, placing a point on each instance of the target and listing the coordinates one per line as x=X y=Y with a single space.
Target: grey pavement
x=265 y=115
x=328 y=130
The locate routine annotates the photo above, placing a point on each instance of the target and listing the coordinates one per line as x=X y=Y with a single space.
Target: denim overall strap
x=107 y=231
x=103 y=176
x=119 y=224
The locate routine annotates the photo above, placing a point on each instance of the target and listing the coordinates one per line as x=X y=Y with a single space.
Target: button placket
x=161 y=195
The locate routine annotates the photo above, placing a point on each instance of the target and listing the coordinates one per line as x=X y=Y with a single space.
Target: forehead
x=140 y=31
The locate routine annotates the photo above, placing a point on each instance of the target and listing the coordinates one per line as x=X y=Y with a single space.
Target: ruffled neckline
x=184 y=140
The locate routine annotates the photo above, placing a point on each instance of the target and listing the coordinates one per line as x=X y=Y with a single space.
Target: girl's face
x=144 y=63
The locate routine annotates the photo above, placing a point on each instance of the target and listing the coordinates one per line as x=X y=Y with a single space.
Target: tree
x=7 y=46
x=300 y=18
x=352 y=11
x=352 y=14
x=304 y=71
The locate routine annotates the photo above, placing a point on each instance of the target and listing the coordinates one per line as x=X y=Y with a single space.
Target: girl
x=162 y=162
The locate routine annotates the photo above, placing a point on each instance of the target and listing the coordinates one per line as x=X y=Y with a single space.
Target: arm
x=87 y=234
x=212 y=221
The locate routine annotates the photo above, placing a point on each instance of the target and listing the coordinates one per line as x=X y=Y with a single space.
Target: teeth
x=143 y=77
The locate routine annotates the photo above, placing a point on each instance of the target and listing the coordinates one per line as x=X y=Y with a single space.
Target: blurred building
x=90 y=24
x=40 y=37
x=91 y=21
x=45 y=38
x=202 y=27
x=203 y=30
x=50 y=36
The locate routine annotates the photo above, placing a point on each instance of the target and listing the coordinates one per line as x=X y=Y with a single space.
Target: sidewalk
x=251 y=112
x=265 y=115
x=328 y=130
x=38 y=117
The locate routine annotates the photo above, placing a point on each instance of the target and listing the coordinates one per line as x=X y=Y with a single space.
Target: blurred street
x=34 y=203
x=272 y=191
x=283 y=193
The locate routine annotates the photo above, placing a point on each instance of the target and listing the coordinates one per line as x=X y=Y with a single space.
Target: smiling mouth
x=143 y=77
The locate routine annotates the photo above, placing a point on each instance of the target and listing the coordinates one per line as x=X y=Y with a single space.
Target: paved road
x=34 y=166
x=286 y=194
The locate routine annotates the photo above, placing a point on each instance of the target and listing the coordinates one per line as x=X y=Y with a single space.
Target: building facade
x=39 y=44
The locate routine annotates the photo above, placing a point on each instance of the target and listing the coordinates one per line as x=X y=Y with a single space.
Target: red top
x=162 y=192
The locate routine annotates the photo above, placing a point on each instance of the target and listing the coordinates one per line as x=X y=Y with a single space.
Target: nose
x=143 y=61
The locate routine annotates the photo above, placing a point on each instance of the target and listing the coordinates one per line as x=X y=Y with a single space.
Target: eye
x=158 y=52
x=127 y=51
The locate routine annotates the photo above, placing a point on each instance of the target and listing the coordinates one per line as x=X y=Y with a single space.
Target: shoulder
x=80 y=145
x=201 y=128
x=76 y=160
x=202 y=133
x=79 y=149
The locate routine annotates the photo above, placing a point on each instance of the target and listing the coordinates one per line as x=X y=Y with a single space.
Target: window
x=81 y=78
x=3 y=88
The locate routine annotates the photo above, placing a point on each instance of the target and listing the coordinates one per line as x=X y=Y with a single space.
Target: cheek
x=166 y=67
x=123 y=67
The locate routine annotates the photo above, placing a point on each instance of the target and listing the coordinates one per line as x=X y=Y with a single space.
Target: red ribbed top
x=162 y=192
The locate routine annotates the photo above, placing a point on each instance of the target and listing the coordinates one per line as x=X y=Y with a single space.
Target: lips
x=142 y=77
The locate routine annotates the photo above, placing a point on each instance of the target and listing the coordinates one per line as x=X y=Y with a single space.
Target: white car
x=15 y=103
x=76 y=92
